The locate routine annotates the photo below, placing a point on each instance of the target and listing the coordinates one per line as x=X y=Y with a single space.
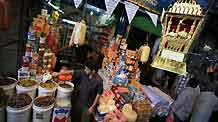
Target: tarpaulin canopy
x=145 y=23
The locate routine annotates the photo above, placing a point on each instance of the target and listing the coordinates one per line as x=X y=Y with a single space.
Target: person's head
x=91 y=53
x=193 y=82
x=78 y=66
x=64 y=68
x=91 y=67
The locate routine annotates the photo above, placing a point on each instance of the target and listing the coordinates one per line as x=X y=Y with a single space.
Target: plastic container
x=2 y=114
x=19 y=114
x=31 y=90
x=23 y=74
x=47 y=91
x=129 y=113
x=42 y=113
x=65 y=92
x=10 y=88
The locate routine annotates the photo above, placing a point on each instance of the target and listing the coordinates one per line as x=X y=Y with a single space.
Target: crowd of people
x=196 y=103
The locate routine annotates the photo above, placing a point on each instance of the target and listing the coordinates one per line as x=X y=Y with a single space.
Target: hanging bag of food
x=79 y=34
x=145 y=52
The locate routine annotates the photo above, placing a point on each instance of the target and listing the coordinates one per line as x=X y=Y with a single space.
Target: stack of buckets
x=9 y=90
x=41 y=113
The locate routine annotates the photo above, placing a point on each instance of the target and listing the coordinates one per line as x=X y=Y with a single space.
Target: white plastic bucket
x=2 y=114
x=19 y=114
x=42 y=114
x=65 y=92
x=29 y=90
x=46 y=92
x=9 y=89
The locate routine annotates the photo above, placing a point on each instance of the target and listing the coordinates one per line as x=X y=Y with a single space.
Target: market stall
x=122 y=88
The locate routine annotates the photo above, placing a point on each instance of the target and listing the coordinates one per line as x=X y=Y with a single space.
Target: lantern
x=181 y=24
x=145 y=52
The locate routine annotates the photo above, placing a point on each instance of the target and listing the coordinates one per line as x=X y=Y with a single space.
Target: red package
x=51 y=40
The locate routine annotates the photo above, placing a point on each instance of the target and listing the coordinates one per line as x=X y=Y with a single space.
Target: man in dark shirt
x=90 y=87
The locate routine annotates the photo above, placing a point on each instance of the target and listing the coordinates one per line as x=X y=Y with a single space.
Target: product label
x=61 y=115
x=39 y=116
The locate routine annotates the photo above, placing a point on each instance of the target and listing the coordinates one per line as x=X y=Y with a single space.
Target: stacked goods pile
x=143 y=109
x=115 y=116
x=131 y=65
x=106 y=102
x=47 y=60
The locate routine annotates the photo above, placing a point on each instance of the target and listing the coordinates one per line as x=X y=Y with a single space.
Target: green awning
x=145 y=23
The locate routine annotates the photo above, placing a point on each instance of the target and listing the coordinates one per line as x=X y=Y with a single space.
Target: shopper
x=182 y=107
x=143 y=78
x=158 y=77
x=206 y=104
x=214 y=116
x=91 y=87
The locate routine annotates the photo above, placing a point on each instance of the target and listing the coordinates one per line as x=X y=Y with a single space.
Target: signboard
x=172 y=55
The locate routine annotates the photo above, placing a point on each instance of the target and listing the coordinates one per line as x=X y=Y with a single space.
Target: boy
x=90 y=89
